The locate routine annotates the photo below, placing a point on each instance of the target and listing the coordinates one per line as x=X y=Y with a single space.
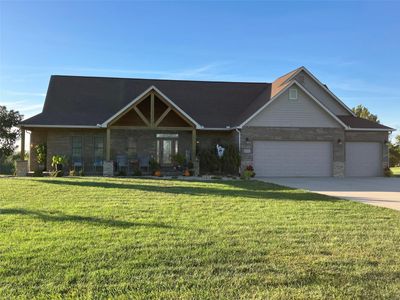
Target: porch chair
x=122 y=163
x=144 y=162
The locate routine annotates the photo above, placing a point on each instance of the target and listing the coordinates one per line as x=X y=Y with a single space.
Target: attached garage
x=292 y=158
x=363 y=159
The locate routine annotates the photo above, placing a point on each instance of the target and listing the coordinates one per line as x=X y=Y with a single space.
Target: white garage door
x=286 y=159
x=363 y=159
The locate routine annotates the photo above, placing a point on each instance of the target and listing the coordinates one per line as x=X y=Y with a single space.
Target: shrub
x=178 y=159
x=228 y=164
x=37 y=173
x=57 y=173
x=41 y=153
x=246 y=174
x=154 y=166
x=121 y=173
x=387 y=172
x=58 y=160
x=137 y=172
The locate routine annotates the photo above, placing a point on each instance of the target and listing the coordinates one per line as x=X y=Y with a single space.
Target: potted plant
x=154 y=167
x=41 y=153
x=178 y=160
x=186 y=172
x=58 y=161
x=248 y=172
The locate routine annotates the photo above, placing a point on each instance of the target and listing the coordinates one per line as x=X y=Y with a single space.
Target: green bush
x=387 y=172
x=228 y=164
x=137 y=172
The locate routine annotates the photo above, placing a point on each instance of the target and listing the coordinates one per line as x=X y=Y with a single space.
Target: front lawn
x=138 y=238
x=396 y=171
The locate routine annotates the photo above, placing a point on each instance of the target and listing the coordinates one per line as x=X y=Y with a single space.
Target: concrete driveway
x=379 y=191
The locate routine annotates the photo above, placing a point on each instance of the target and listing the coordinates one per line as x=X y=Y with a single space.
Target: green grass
x=396 y=171
x=136 y=238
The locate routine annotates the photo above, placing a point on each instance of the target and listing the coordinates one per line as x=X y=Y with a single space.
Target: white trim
x=285 y=89
x=293 y=94
x=322 y=86
x=59 y=126
x=130 y=104
x=217 y=129
x=370 y=129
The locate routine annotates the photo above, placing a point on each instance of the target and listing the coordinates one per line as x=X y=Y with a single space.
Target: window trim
x=293 y=94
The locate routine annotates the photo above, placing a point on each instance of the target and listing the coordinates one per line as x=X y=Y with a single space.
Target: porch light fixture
x=339 y=141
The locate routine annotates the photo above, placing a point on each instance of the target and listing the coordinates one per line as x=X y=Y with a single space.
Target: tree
x=363 y=112
x=8 y=132
x=394 y=152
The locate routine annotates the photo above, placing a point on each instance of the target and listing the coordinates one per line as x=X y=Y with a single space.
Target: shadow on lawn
x=251 y=189
x=81 y=219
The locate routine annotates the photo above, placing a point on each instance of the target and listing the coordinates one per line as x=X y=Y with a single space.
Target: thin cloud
x=199 y=72
x=17 y=93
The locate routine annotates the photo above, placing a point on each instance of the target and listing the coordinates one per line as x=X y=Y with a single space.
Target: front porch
x=150 y=131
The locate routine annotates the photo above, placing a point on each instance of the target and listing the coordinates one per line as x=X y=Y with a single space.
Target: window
x=132 y=149
x=98 y=149
x=167 y=135
x=292 y=94
x=76 y=149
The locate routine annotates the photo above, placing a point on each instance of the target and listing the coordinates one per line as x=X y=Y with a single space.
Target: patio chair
x=144 y=162
x=122 y=163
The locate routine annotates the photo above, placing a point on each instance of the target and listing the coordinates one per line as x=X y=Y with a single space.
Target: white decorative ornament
x=220 y=151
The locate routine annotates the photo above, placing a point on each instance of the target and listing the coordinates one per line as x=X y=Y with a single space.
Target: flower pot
x=186 y=173
x=157 y=173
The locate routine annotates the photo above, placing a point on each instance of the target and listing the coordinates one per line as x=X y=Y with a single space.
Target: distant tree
x=394 y=152
x=9 y=134
x=363 y=112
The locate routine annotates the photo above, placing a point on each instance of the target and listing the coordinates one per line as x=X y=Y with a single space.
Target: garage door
x=363 y=159
x=286 y=159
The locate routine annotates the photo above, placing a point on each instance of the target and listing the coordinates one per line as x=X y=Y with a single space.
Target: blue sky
x=353 y=47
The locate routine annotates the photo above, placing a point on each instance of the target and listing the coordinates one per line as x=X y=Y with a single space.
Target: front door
x=166 y=148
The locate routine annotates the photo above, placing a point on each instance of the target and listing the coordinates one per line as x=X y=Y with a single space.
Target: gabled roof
x=89 y=102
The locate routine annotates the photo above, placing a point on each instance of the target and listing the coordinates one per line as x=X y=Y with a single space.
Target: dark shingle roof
x=76 y=100
x=355 y=122
x=88 y=101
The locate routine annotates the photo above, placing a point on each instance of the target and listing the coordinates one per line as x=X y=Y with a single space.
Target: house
x=294 y=126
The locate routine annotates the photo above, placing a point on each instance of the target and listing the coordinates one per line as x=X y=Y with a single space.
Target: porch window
x=77 y=151
x=98 y=150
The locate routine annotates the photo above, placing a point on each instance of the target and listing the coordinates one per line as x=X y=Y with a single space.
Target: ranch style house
x=294 y=126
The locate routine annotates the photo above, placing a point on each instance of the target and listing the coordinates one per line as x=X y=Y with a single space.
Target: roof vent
x=292 y=94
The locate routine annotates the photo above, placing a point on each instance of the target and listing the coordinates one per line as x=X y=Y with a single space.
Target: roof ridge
x=163 y=79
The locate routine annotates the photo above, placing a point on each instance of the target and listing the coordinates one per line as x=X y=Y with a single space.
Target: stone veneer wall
x=59 y=142
x=38 y=136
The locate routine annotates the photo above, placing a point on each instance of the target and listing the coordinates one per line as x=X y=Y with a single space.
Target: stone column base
x=108 y=168
x=21 y=168
x=338 y=169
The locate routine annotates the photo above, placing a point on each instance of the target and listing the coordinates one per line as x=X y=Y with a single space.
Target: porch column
x=108 y=144
x=194 y=142
x=21 y=165
x=22 y=143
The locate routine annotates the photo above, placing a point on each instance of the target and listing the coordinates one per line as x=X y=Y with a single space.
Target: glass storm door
x=166 y=148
